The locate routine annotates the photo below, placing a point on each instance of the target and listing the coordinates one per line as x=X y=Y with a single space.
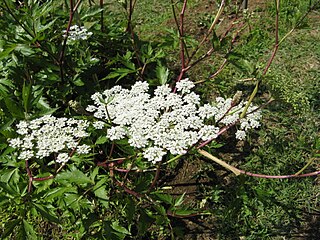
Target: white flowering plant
x=94 y=119
x=166 y=122
x=49 y=136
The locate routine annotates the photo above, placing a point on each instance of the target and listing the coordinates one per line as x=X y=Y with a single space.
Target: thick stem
x=238 y=171
x=156 y=177
x=30 y=177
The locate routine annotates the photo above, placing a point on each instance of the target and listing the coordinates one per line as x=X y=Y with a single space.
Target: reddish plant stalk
x=101 y=16
x=30 y=177
x=73 y=9
x=182 y=45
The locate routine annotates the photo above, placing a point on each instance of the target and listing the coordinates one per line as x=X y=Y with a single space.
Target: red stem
x=30 y=176
x=101 y=16
x=182 y=46
x=73 y=9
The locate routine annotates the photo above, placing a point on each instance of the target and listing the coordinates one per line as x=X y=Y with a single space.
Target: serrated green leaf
x=90 y=13
x=7 y=51
x=160 y=209
x=24 y=49
x=46 y=213
x=29 y=231
x=14 y=108
x=162 y=74
x=101 y=140
x=100 y=190
x=58 y=192
x=74 y=176
x=10 y=174
x=9 y=190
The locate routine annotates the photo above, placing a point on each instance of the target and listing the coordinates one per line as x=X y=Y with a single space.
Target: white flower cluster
x=46 y=135
x=165 y=122
x=76 y=33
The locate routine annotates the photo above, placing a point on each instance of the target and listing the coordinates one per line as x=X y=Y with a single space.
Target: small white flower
x=62 y=158
x=240 y=135
x=76 y=33
x=154 y=154
x=98 y=124
x=15 y=142
x=184 y=86
x=26 y=155
x=116 y=133
x=83 y=149
x=47 y=135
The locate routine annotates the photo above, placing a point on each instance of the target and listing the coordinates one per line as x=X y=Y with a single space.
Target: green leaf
x=166 y=198
x=7 y=51
x=101 y=140
x=6 y=125
x=179 y=200
x=26 y=96
x=130 y=210
x=24 y=49
x=100 y=190
x=9 y=227
x=74 y=176
x=215 y=41
x=8 y=175
x=160 y=209
x=58 y=192
x=119 y=73
x=78 y=82
x=29 y=231
x=115 y=225
x=91 y=12
x=184 y=212
x=46 y=213
x=14 y=108
x=162 y=74
x=9 y=190
x=5 y=84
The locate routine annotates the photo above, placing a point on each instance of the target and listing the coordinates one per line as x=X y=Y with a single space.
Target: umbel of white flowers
x=50 y=135
x=76 y=33
x=167 y=121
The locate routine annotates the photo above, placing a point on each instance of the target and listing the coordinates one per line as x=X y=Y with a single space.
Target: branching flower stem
x=182 y=44
x=73 y=9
